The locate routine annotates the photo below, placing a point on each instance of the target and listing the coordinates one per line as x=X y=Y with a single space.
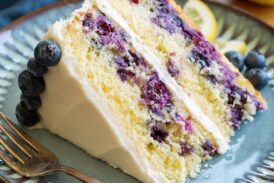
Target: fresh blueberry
x=35 y=68
x=236 y=59
x=32 y=103
x=26 y=117
x=47 y=53
x=257 y=77
x=255 y=60
x=30 y=85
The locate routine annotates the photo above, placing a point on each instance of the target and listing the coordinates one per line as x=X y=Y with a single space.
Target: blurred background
x=11 y=10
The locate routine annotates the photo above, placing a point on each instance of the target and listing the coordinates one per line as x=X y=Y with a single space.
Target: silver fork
x=29 y=158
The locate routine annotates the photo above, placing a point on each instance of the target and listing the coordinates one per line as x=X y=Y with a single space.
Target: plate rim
x=243 y=12
x=36 y=12
x=58 y=4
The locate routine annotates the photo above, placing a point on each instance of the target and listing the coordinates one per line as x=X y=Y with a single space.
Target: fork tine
x=10 y=150
x=18 y=131
x=10 y=162
x=10 y=136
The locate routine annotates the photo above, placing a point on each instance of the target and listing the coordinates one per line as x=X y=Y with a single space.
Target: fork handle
x=77 y=174
x=4 y=180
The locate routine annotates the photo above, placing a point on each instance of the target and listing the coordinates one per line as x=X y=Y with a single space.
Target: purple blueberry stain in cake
x=259 y=105
x=235 y=93
x=95 y=43
x=166 y=17
x=201 y=60
x=125 y=62
x=185 y=149
x=107 y=33
x=166 y=22
x=209 y=148
x=172 y=69
x=116 y=39
x=134 y=58
x=163 y=6
x=228 y=75
x=158 y=134
x=88 y=22
x=125 y=74
x=121 y=62
x=142 y=63
x=237 y=98
x=236 y=115
x=155 y=92
x=185 y=122
x=204 y=49
x=211 y=78
x=103 y=26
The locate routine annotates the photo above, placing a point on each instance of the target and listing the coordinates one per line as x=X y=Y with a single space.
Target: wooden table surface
x=265 y=13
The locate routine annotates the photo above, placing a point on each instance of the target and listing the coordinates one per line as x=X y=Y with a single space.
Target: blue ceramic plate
x=250 y=159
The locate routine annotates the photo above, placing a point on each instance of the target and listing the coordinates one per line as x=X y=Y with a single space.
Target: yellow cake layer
x=123 y=102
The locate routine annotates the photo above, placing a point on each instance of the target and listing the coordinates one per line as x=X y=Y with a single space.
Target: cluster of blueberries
x=253 y=65
x=46 y=54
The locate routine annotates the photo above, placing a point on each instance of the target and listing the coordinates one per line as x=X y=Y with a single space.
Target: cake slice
x=144 y=96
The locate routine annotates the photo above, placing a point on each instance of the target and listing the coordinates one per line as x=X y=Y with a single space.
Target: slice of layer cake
x=137 y=89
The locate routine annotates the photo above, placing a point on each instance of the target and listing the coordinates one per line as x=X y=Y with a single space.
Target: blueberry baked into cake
x=131 y=83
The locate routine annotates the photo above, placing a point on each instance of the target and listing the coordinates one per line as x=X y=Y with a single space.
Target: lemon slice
x=201 y=15
x=231 y=45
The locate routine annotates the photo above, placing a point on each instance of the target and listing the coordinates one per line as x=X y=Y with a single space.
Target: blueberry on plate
x=32 y=103
x=26 y=117
x=236 y=59
x=257 y=77
x=36 y=69
x=30 y=85
x=255 y=60
x=47 y=53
